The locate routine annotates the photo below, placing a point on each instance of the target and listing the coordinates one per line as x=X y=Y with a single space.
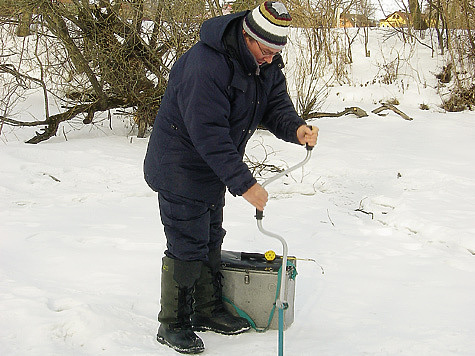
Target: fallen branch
x=351 y=110
x=52 y=122
x=387 y=106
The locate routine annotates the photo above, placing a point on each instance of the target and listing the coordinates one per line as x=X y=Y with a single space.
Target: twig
x=366 y=212
x=360 y=209
x=64 y=134
x=261 y=167
x=329 y=218
x=52 y=177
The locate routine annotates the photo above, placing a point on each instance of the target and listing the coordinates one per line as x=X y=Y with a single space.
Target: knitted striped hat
x=268 y=24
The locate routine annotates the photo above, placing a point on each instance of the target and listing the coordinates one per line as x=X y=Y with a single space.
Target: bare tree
x=367 y=10
x=319 y=57
x=459 y=21
x=93 y=56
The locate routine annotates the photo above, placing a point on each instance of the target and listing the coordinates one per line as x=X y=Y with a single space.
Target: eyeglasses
x=267 y=53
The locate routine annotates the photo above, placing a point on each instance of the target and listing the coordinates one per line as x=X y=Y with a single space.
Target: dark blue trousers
x=192 y=228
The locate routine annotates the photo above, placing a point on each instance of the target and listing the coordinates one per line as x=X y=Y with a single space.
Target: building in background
x=396 y=20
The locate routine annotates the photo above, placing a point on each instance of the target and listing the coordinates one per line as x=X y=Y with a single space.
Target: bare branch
x=352 y=110
x=388 y=106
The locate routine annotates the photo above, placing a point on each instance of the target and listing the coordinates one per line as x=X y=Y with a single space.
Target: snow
x=384 y=207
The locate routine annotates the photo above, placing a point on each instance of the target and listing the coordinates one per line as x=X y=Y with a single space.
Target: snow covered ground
x=385 y=207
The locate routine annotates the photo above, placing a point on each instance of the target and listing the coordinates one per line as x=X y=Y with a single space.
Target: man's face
x=261 y=52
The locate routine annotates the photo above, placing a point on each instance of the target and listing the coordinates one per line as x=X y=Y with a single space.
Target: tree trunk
x=24 y=23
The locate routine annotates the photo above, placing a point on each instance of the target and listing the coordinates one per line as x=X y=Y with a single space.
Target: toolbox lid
x=251 y=261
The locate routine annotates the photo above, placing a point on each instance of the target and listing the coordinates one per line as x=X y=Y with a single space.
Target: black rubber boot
x=209 y=310
x=178 y=280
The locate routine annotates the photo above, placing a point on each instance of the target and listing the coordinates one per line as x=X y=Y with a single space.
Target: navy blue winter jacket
x=216 y=97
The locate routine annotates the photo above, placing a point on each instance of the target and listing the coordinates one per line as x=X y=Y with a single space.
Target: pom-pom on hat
x=268 y=24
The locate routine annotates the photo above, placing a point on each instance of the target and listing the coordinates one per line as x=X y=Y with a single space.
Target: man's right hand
x=257 y=196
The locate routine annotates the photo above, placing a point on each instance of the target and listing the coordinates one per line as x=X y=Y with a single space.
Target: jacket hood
x=212 y=30
x=224 y=35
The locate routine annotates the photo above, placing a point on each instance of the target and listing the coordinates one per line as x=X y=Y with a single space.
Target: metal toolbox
x=250 y=283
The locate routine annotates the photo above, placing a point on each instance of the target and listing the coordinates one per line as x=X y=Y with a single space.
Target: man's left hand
x=307 y=135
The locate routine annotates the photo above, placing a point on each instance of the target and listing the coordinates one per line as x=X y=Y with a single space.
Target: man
x=218 y=93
